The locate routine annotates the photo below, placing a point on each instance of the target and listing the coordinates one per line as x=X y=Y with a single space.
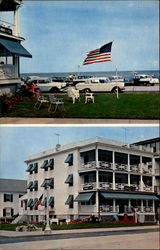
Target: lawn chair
x=40 y=100
x=73 y=93
x=56 y=102
x=89 y=97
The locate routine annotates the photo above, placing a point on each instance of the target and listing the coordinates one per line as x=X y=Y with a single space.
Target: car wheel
x=87 y=90
x=114 y=90
x=54 y=90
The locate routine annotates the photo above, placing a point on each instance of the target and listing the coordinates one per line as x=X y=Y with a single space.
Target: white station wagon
x=99 y=85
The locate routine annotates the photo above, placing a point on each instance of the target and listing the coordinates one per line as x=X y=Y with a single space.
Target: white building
x=10 y=45
x=97 y=177
x=10 y=192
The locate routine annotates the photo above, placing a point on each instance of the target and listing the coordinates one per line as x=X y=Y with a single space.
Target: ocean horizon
x=125 y=74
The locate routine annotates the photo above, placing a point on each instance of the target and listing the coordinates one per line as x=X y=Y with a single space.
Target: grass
x=128 y=106
x=12 y=227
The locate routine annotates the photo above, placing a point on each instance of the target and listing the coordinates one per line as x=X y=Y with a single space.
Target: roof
x=81 y=145
x=9 y=5
x=156 y=139
x=11 y=185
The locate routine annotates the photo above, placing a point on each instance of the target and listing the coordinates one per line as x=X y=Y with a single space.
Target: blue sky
x=18 y=143
x=59 y=33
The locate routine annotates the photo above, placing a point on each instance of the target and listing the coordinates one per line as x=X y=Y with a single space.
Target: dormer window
x=69 y=160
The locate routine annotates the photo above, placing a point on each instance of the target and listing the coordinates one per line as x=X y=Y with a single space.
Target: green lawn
x=128 y=106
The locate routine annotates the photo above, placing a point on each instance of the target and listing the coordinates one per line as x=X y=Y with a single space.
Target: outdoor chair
x=40 y=100
x=54 y=101
x=89 y=97
x=73 y=93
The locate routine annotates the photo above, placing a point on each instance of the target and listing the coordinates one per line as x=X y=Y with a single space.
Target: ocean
x=128 y=75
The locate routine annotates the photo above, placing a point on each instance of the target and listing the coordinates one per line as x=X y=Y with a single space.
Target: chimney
x=58 y=147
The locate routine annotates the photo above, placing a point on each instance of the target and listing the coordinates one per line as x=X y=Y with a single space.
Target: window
x=69 y=160
x=69 y=180
x=104 y=155
x=50 y=164
x=8 y=197
x=121 y=158
x=30 y=185
x=69 y=201
x=29 y=203
x=134 y=159
x=48 y=182
x=8 y=212
x=32 y=168
x=35 y=186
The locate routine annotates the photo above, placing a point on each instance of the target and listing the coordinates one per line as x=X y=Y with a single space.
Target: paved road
x=139 y=239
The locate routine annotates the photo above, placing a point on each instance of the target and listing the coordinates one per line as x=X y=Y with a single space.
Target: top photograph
x=68 y=62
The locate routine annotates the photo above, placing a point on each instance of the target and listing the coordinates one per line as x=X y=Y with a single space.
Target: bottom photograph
x=79 y=177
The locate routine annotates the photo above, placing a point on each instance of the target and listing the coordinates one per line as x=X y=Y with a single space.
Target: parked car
x=96 y=84
x=49 y=85
x=145 y=80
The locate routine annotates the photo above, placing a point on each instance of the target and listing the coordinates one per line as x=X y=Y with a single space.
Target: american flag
x=103 y=54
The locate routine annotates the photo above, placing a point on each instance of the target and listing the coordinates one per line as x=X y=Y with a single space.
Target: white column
x=128 y=162
x=113 y=179
x=113 y=160
x=129 y=203
x=47 y=228
x=141 y=183
x=16 y=23
x=153 y=206
x=114 y=205
x=142 y=206
x=129 y=181
x=153 y=183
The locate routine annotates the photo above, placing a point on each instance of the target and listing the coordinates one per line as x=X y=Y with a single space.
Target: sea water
x=128 y=75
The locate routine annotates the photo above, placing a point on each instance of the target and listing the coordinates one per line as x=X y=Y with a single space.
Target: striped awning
x=84 y=196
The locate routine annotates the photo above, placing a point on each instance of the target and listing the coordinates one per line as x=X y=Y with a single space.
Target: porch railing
x=121 y=167
x=88 y=209
x=135 y=168
x=108 y=209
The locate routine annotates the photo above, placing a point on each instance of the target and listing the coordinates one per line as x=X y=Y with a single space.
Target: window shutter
x=12 y=211
x=4 y=212
x=4 y=197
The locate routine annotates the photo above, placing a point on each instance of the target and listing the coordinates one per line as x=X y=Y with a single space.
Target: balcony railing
x=121 y=167
x=89 y=165
x=105 y=185
x=89 y=209
x=105 y=165
x=89 y=186
x=147 y=188
x=135 y=168
x=108 y=209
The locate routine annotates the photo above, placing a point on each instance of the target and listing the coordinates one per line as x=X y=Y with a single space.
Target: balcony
x=92 y=165
x=121 y=167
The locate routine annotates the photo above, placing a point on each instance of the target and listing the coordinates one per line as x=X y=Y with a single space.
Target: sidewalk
x=12 y=234
x=82 y=121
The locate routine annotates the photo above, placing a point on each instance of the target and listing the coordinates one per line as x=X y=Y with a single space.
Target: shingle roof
x=11 y=185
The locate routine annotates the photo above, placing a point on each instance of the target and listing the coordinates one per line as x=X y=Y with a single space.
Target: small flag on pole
x=103 y=54
x=38 y=202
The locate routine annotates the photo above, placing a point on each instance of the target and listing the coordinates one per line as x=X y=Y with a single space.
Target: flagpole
x=47 y=228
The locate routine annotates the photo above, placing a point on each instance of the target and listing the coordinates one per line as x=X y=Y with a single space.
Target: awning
x=34 y=202
x=29 y=203
x=69 y=159
x=50 y=163
x=30 y=184
x=13 y=48
x=29 y=168
x=44 y=165
x=69 y=179
x=84 y=196
x=69 y=200
x=129 y=196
